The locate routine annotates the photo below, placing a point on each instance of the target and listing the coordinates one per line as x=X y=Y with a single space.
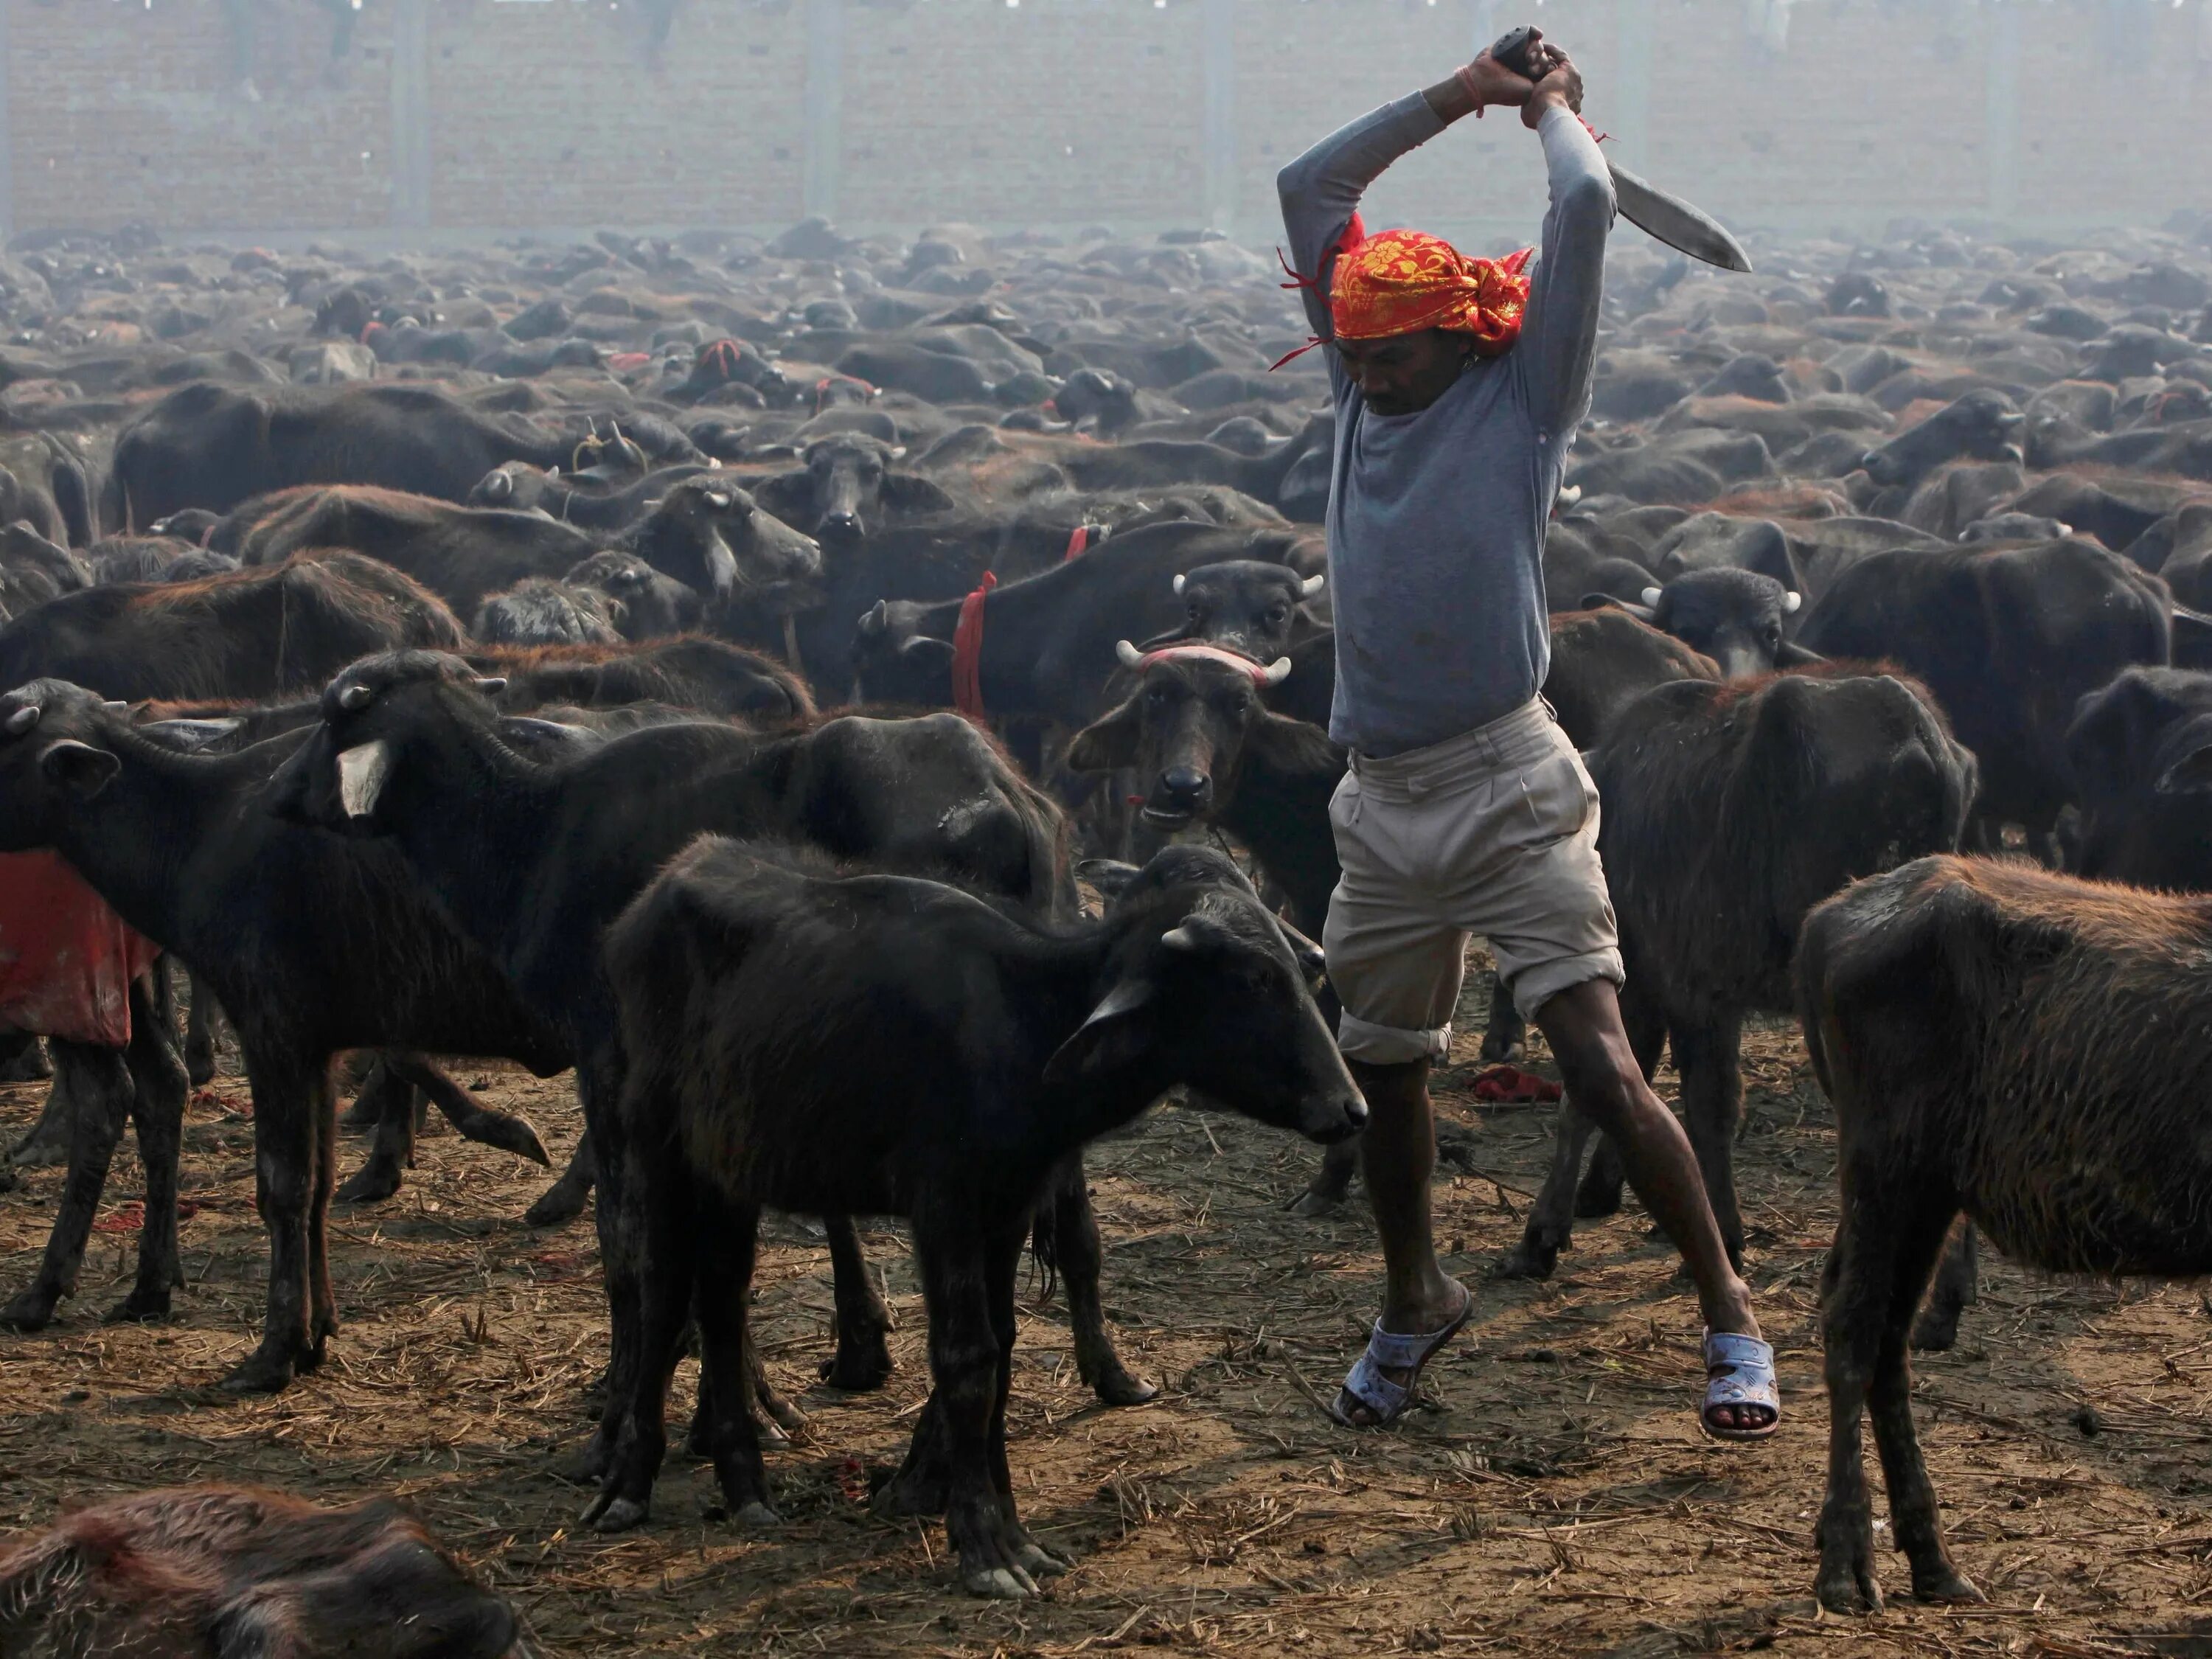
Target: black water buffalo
x=792 y=1043
x=313 y=945
x=1734 y=617
x=1984 y=425
x=212 y=446
x=220 y=1572
x=578 y=499
x=2022 y=1047
x=1730 y=811
x=2138 y=749
x=848 y=485
x=542 y=611
x=251 y=634
x=1048 y=643
x=706 y=533
x=2010 y=640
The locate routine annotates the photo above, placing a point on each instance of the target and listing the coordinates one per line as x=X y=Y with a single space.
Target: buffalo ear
x=1643 y=613
x=1108 y=744
x=787 y=494
x=1109 y=875
x=2190 y=775
x=909 y=492
x=1290 y=746
x=79 y=768
x=1117 y=1033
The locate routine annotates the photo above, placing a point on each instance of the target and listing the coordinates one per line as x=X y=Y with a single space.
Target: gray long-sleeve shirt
x=1437 y=519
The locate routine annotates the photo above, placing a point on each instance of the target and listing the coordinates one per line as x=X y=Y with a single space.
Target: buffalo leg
x=1957 y=1287
x=1340 y=1162
x=654 y=1213
x=199 y=1035
x=159 y=1085
x=1708 y=1054
x=863 y=1358
x=1080 y=1255
x=96 y=1084
x=292 y=1114
x=967 y=1279
x=728 y=1237
x=389 y=1100
x=471 y=1118
x=1885 y=1247
x=52 y=1137
x=564 y=1200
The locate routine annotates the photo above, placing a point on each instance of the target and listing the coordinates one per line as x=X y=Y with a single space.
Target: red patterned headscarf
x=1401 y=282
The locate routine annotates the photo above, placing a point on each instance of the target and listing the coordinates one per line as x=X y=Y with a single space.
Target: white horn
x=1178 y=584
x=1276 y=672
x=1128 y=654
x=22 y=720
x=1791 y=602
x=1650 y=597
x=356 y=696
x=361 y=771
x=492 y=685
x=1312 y=585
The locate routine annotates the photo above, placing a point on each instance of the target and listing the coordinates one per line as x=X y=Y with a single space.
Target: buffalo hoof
x=34 y=1310
x=1527 y=1259
x=1317 y=1201
x=1943 y=1585
x=141 y=1307
x=1456 y=1147
x=998 y=1557
x=371 y=1184
x=40 y=1151
x=507 y=1132
x=859 y=1367
x=561 y=1202
x=616 y=1514
x=755 y=1517
x=1936 y=1330
x=269 y=1368
x=199 y=1064
x=1116 y=1386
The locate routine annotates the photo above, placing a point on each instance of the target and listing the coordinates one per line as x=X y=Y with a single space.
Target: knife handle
x=1511 y=50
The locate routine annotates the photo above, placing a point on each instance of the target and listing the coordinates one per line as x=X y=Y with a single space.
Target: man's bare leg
x=1398 y=1156
x=1583 y=1025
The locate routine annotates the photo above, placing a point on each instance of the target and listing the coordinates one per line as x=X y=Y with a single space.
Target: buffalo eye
x=1196 y=613
x=1277 y=616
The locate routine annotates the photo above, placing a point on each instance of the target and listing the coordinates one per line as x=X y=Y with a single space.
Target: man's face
x=1406 y=372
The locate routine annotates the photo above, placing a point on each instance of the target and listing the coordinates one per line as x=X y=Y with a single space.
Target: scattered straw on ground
x=1556 y=1498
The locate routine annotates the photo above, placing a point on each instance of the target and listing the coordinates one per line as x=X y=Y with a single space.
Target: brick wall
x=894 y=114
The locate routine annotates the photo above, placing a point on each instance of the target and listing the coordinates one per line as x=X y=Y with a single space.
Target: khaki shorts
x=1493 y=832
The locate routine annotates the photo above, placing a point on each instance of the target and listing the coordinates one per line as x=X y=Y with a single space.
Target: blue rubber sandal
x=1365 y=1386
x=1739 y=1371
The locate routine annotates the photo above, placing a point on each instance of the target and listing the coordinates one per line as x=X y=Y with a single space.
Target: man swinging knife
x=1459 y=383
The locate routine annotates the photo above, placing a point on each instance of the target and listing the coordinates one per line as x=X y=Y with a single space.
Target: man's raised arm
x=1560 y=334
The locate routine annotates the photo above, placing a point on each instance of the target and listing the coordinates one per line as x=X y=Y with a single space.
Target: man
x=1458 y=385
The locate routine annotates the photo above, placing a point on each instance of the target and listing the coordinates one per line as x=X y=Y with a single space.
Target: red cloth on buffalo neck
x=967 y=650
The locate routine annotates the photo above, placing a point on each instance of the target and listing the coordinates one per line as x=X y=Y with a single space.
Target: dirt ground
x=1556 y=1498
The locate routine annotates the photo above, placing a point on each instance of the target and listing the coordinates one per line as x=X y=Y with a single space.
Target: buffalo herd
x=860 y=707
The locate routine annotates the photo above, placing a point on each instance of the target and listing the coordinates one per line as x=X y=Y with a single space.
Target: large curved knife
x=1667 y=217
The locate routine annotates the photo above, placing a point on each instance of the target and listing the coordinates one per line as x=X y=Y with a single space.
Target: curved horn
x=22 y=720
x=491 y=685
x=116 y=707
x=1650 y=596
x=1313 y=585
x=356 y=696
x=1275 y=672
x=1791 y=602
x=1178 y=584
x=1128 y=654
